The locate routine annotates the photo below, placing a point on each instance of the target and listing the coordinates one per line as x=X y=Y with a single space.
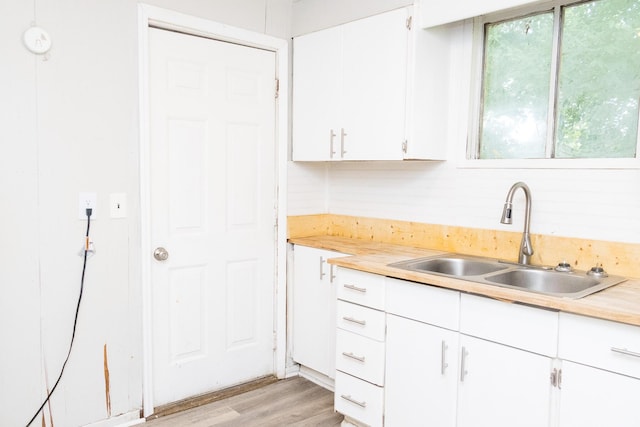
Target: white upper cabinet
x=374 y=70
x=351 y=88
x=317 y=85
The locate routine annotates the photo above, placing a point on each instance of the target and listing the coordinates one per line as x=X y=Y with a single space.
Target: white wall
x=313 y=15
x=600 y=204
x=69 y=123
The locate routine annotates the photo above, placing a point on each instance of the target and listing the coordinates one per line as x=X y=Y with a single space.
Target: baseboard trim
x=203 y=399
x=317 y=378
x=123 y=420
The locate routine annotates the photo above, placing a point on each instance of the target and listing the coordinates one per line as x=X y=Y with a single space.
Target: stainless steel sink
x=452 y=265
x=574 y=284
x=544 y=281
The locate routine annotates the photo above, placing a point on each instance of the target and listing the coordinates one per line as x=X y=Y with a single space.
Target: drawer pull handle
x=463 y=364
x=443 y=357
x=342 y=135
x=352 y=320
x=355 y=288
x=352 y=400
x=332 y=135
x=353 y=356
x=322 y=273
x=332 y=275
x=625 y=351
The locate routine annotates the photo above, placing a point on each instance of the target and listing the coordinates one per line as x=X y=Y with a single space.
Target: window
x=561 y=83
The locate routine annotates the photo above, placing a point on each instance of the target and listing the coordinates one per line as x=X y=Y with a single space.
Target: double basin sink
x=573 y=284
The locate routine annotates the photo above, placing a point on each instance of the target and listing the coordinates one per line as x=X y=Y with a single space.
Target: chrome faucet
x=526 y=249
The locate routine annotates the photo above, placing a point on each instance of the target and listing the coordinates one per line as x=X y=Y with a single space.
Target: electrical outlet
x=87 y=200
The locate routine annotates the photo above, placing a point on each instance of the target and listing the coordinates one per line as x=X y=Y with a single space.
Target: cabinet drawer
x=361 y=288
x=516 y=325
x=427 y=304
x=358 y=399
x=360 y=356
x=600 y=343
x=361 y=320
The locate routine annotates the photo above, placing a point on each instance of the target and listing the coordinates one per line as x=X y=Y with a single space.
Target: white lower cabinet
x=417 y=355
x=600 y=376
x=422 y=374
x=359 y=400
x=422 y=355
x=314 y=307
x=502 y=386
x=360 y=347
x=591 y=397
x=507 y=353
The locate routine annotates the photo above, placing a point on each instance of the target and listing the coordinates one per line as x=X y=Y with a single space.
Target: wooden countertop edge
x=620 y=303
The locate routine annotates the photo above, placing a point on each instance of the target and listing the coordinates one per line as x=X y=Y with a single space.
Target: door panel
x=213 y=181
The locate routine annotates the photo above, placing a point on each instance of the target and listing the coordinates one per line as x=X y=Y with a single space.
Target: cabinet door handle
x=332 y=275
x=352 y=320
x=342 y=135
x=625 y=352
x=443 y=357
x=322 y=273
x=463 y=362
x=353 y=356
x=355 y=288
x=554 y=377
x=332 y=136
x=352 y=400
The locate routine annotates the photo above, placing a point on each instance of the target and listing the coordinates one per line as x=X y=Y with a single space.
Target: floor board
x=291 y=402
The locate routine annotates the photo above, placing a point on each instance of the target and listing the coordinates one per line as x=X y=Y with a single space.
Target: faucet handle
x=597 y=271
x=564 y=267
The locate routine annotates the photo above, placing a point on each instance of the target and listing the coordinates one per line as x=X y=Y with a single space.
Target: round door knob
x=161 y=254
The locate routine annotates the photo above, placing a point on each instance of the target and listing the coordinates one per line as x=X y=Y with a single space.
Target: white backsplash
x=591 y=204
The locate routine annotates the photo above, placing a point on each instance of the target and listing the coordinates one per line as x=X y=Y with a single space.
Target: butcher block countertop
x=620 y=303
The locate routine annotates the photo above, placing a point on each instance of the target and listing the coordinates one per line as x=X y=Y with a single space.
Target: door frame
x=164 y=18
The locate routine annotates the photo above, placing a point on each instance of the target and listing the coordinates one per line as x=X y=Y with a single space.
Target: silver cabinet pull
x=352 y=400
x=352 y=320
x=625 y=352
x=443 y=357
x=463 y=362
x=554 y=377
x=342 y=135
x=332 y=136
x=332 y=275
x=355 y=288
x=322 y=273
x=353 y=356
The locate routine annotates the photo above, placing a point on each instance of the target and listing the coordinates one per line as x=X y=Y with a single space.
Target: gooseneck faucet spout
x=526 y=249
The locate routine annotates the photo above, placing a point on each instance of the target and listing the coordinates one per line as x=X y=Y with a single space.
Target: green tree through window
x=594 y=85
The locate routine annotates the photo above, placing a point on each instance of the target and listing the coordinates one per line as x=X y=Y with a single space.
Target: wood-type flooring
x=291 y=402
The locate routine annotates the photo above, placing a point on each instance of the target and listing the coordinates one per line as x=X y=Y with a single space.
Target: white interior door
x=213 y=208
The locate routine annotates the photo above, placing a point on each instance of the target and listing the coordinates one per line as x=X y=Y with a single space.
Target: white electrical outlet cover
x=87 y=200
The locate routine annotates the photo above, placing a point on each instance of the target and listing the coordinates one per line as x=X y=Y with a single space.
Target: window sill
x=550 y=163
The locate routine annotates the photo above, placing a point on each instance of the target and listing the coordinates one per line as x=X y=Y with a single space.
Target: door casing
x=163 y=18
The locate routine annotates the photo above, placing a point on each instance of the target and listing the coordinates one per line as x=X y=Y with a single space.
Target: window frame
x=470 y=157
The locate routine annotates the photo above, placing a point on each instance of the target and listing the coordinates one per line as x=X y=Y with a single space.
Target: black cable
x=75 y=321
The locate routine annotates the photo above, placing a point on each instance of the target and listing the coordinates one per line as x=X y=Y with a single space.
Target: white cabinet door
x=421 y=374
x=314 y=309
x=374 y=87
x=592 y=397
x=317 y=88
x=501 y=386
x=349 y=90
